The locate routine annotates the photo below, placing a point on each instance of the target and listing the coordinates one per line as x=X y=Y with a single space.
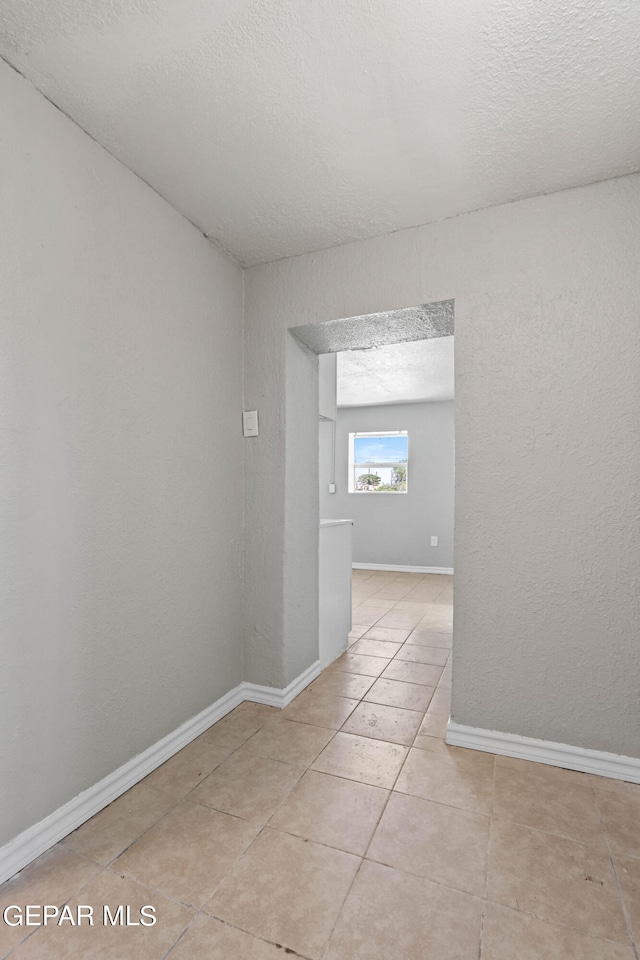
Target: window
x=378 y=462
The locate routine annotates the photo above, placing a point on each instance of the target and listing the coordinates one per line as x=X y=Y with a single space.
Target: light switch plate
x=250 y=423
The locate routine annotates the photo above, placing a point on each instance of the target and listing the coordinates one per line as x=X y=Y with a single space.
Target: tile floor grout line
x=545 y=833
x=341 y=910
x=417 y=876
x=110 y=866
x=363 y=857
x=486 y=878
x=266 y=826
x=177 y=803
x=392 y=790
x=558 y=923
x=272 y=943
x=149 y=886
x=614 y=870
x=176 y=942
x=103 y=866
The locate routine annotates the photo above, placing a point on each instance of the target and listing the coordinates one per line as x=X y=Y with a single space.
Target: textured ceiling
x=377 y=329
x=401 y=372
x=280 y=127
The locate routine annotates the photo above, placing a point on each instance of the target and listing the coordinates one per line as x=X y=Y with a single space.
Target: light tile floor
x=344 y=828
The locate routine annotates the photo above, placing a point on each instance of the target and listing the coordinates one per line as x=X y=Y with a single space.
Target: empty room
x=320 y=538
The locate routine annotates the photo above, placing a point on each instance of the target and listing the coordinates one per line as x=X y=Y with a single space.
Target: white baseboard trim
x=274 y=697
x=401 y=569
x=35 y=840
x=544 y=751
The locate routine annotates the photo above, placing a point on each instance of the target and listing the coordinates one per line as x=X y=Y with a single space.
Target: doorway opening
x=384 y=460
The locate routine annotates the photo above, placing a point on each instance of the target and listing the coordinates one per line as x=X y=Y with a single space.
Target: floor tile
x=394 y=591
x=433 y=841
x=389 y=634
x=362 y=586
x=445 y=597
x=187 y=768
x=286 y=890
x=248 y=786
x=424 y=637
x=350 y=685
x=102 y=940
x=435 y=623
x=508 y=934
x=460 y=778
x=369 y=647
x=424 y=673
x=365 y=619
x=239 y=725
x=396 y=693
x=388 y=915
x=553 y=800
x=112 y=830
x=437 y=615
x=361 y=758
x=320 y=710
x=289 y=740
x=53 y=878
x=434 y=725
x=412 y=606
x=187 y=854
x=356 y=663
x=628 y=873
x=415 y=653
x=376 y=603
x=399 y=621
x=621 y=816
x=339 y=813
x=383 y=723
x=609 y=785
x=441 y=702
x=210 y=939
x=423 y=593
x=556 y=879
x=544 y=772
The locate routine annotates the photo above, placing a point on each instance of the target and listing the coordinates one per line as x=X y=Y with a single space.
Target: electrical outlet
x=434 y=541
x=332 y=488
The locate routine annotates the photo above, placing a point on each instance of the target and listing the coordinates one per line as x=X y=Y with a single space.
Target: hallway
x=344 y=828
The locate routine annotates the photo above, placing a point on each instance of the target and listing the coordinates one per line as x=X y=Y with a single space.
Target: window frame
x=351 y=476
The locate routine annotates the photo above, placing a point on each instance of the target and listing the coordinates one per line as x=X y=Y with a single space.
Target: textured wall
x=396 y=529
x=547 y=445
x=121 y=463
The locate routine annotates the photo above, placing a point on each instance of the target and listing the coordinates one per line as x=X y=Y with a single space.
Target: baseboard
x=35 y=840
x=274 y=697
x=401 y=569
x=544 y=751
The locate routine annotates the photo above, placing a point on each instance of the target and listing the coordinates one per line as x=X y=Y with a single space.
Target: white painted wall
x=121 y=471
x=328 y=385
x=547 y=450
x=396 y=529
